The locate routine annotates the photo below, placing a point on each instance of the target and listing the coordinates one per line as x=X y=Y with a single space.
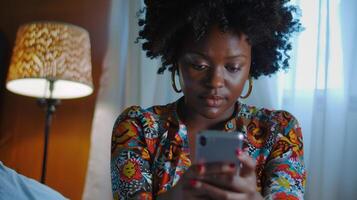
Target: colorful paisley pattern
x=150 y=151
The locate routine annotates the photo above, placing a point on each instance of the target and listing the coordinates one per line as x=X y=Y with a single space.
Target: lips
x=213 y=100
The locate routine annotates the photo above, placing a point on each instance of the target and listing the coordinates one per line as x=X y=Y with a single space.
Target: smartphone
x=218 y=146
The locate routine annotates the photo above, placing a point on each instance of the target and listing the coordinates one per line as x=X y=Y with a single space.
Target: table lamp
x=50 y=61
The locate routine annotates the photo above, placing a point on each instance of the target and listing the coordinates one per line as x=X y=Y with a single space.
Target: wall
x=22 y=120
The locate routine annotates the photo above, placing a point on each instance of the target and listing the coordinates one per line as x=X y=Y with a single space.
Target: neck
x=196 y=122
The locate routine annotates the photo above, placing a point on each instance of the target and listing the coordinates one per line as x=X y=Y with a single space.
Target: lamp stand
x=50 y=105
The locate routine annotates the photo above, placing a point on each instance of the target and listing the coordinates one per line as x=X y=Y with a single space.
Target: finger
x=248 y=165
x=187 y=191
x=208 y=172
x=228 y=182
x=209 y=169
x=194 y=171
x=219 y=168
x=234 y=183
x=214 y=192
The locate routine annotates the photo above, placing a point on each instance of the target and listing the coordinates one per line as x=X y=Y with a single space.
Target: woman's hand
x=227 y=182
x=218 y=181
x=185 y=188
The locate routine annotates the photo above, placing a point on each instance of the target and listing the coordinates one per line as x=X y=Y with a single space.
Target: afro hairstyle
x=267 y=23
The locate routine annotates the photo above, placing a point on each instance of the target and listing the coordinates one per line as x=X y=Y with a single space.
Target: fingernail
x=194 y=183
x=239 y=152
x=201 y=169
x=232 y=165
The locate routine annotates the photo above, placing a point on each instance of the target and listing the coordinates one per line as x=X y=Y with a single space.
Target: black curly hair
x=267 y=23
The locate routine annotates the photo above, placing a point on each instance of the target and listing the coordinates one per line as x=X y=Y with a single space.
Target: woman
x=215 y=47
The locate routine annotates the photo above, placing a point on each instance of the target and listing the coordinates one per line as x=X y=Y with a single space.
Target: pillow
x=17 y=186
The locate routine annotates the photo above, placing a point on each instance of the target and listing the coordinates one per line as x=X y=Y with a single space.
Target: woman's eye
x=233 y=68
x=199 y=67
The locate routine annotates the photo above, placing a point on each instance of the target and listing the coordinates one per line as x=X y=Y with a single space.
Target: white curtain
x=317 y=89
x=128 y=78
x=334 y=121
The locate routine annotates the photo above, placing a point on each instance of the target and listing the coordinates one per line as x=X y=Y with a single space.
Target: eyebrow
x=236 y=56
x=206 y=56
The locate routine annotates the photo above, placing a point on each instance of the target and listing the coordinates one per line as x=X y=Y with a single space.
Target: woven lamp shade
x=51 y=51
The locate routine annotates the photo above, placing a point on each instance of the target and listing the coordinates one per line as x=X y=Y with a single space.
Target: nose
x=215 y=78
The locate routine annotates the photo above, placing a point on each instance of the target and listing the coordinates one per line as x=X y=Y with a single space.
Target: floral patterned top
x=150 y=151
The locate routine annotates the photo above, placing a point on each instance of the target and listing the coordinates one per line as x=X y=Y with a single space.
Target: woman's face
x=213 y=72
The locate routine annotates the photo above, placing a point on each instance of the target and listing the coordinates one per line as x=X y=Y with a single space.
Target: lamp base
x=50 y=105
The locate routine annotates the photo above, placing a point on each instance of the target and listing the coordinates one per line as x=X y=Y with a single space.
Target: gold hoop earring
x=173 y=83
x=249 y=89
